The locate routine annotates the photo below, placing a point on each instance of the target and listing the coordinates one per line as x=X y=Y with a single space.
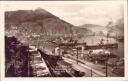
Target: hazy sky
x=77 y=12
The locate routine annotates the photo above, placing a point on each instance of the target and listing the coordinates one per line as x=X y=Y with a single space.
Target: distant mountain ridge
x=97 y=29
x=115 y=30
x=91 y=25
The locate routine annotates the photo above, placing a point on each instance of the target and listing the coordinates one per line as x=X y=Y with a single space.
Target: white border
x=58 y=78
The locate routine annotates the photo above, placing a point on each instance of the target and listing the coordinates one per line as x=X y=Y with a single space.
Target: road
x=99 y=69
x=83 y=68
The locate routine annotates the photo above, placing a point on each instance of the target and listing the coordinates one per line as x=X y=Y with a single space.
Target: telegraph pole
x=28 y=64
x=106 y=70
x=91 y=72
x=77 y=55
x=59 y=51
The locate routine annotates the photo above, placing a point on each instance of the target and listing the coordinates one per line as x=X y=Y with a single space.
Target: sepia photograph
x=64 y=39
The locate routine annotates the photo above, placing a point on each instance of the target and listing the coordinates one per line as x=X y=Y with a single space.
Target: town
x=68 y=59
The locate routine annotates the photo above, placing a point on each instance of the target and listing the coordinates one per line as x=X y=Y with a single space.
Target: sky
x=75 y=12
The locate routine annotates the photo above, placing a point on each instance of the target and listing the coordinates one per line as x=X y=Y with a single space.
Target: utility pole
x=77 y=55
x=28 y=64
x=107 y=37
x=91 y=72
x=106 y=69
x=59 y=50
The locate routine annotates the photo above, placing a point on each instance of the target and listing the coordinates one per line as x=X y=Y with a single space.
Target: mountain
x=91 y=25
x=97 y=29
x=39 y=22
x=114 y=30
x=80 y=30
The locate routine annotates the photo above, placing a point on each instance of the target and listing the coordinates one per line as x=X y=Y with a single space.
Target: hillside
x=116 y=30
x=97 y=29
x=38 y=21
x=34 y=25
